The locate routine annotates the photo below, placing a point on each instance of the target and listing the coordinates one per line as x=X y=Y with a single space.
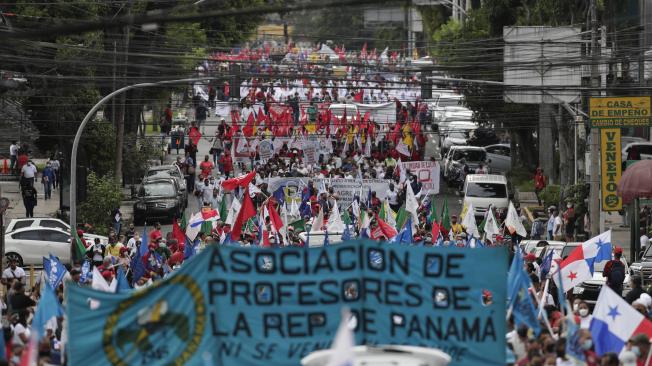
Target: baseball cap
x=618 y=250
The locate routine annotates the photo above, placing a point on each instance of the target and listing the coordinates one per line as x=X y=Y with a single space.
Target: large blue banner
x=252 y=306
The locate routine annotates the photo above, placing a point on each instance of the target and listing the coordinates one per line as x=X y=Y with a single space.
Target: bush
x=137 y=154
x=104 y=195
x=550 y=195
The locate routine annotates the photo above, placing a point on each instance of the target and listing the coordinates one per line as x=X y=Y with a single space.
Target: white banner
x=346 y=189
x=427 y=173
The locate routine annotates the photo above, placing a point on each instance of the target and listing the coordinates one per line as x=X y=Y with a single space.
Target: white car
x=49 y=222
x=29 y=245
x=473 y=156
x=456 y=133
x=499 y=157
x=317 y=238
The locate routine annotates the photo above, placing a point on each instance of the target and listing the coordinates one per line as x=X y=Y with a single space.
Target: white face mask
x=583 y=312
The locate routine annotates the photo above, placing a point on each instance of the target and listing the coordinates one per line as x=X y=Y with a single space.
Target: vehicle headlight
x=578 y=290
x=170 y=204
x=141 y=206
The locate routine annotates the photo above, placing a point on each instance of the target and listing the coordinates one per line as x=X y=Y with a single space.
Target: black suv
x=157 y=199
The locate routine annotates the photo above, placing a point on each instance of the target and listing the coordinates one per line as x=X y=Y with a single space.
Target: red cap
x=531 y=257
x=618 y=250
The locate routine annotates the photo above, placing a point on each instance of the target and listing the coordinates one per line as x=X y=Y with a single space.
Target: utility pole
x=115 y=62
x=594 y=196
x=120 y=126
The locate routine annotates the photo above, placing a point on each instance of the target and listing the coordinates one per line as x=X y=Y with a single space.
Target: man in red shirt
x=539 y=183
x=206 y=167
x=226 y=162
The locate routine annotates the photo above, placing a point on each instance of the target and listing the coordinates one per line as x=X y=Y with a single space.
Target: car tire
x=16 y=256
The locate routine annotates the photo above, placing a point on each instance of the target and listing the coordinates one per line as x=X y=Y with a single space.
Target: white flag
x=335 y=223
x=468 y=221
x=233 y=212
x=318 y=222
x=343 y=345
x=99 y=283
x=513 y=222
x=490 y=225
x=411 y=203
x=193 y=227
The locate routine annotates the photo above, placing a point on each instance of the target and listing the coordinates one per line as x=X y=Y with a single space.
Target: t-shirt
x=16 y=331
x=392 y=197
x=17 y=273
x=557 y=227
x=28 y=170
x=114 y=250
x=13 y=150
x=206 y=168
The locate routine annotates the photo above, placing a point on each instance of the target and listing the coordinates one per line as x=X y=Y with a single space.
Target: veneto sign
x=613 y=112
x=610 y=168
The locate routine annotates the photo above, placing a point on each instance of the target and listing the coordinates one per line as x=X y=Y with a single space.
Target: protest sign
x=233 y=305
x=265 y=150
x=346 y=189
x=240 y=153
x=427 y=173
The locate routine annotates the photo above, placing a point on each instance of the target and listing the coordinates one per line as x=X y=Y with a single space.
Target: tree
x=104 y=196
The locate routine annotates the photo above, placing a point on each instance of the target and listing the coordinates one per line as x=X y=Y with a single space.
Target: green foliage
x=226 y=31
x=550 y=195
x=137 y=156
x=97 y=148
x=577 y=195
x=104 y=195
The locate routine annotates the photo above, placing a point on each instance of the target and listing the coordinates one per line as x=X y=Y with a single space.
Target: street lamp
x=87 y=118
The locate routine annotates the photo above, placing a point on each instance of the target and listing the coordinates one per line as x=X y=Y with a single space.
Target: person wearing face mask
x=640 y=346
x=636 y=291
x=585 y=317
x=586 y=342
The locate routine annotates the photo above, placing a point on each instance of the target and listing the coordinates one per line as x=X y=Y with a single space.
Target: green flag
x=224 y=212
x=80 y=249
x=433 y=210
x=401 y=218
x=482 y=224
x=346 y=218
x=206 y=227
x=298 y=225
x=382 y=213
x=184 y=222
x=445 y=218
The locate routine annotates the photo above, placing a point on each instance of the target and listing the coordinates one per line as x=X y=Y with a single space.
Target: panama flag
x=578 y=266
x=209 y=214
x=615 y=322
x=194 y=226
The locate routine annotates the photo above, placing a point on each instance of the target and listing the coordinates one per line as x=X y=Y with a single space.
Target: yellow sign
x=611 y=112
x=611 y=168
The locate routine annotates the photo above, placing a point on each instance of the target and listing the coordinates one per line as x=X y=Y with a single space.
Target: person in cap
x=640 y=346
x=614 y=272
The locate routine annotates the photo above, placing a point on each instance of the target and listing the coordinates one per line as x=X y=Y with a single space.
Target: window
x=23 y=224
x=27 y=235
x=55 y=236
x=499 y=150
x=486 y=190
x=469 y=155
x=54 y=224
x=159 y=189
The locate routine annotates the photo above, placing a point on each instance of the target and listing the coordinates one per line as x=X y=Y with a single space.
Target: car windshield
x=459 y=135
x=567 y=250
x=648 y=252
x=158 y=189
x=486 y=190
x=469 y=155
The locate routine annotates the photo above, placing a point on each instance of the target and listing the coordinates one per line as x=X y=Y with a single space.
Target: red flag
x=241 y=181
x=435 y=231
x=274 y=217
x=194 y=135
x=387 y=229
x=248 y=129
x=363 y=53
x=260 y=117
x=247 y=211
x=177 y=233
x=358 y=96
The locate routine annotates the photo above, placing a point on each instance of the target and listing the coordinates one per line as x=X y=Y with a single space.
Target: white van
x=317 y=238
x=484 y=190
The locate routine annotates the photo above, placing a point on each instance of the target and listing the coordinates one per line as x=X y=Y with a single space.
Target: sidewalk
x=44 y=208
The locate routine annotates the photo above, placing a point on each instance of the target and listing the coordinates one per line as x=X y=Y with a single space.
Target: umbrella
x=636 y=181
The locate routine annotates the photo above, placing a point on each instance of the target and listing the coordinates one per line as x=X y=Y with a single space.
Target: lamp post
x=87 y=118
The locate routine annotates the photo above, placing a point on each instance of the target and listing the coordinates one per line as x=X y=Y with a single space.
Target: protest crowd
x=272 y=179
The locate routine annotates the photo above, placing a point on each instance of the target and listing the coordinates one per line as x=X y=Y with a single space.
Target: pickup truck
x=48 y=222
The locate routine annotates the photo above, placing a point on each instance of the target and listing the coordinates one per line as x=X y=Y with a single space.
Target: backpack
x=617 y=273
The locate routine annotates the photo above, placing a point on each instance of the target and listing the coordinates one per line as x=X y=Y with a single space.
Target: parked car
x=48 y=222
x=644 y=149
x=158 y=198
x=499 y=158
x=472 y=155
x=643 y=267
x=484 y=190
x=173 y=171
x=30 y=244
